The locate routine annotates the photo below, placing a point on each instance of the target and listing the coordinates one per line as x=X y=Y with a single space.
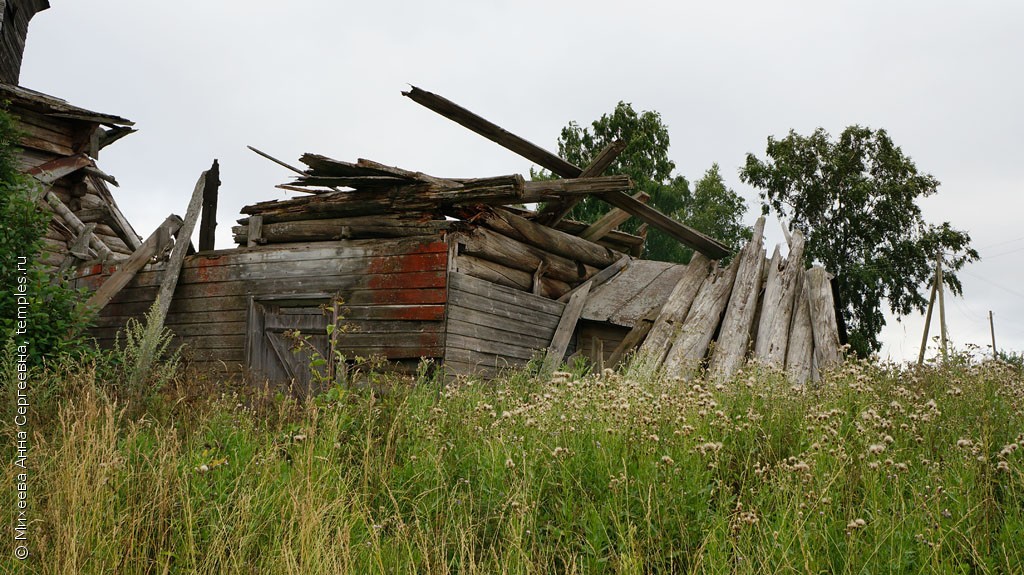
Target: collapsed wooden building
x=459 y=272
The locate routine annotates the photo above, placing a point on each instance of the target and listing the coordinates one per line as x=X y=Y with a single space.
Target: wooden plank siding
x=492 y=327
x=393 y=293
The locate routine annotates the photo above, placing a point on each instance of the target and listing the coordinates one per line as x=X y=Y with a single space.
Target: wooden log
x=683 y=233
x=691 y=344
x=777 y=306
x=669 y=322
x=493 y=132
x=823 y=319
x=565 y=329
x=613 y=219
x=383 y=226
x=601 y=277
x=510 y=277
x=77 y=226
x=154 y=245
x=734 y=339
x=800 y=349
x=490 y=245
x=399 y=172
x=554 y=212
x=546 y=238
x=208 y=227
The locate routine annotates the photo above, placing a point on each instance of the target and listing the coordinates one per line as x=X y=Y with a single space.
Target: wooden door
x=272 y=349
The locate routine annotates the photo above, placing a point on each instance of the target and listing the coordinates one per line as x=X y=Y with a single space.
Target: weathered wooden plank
x=800 y=349
x=565 y=330
x=385 y=226
x=691 y=344
x=506 y=276
x=823 y=319
x=669 y=322
x=76 y=225
x=630 y=283
x=500 y=294
x=503 y=349
x=55 y=169
x=536 y=325
x=490 y=245
x=493 y=132
x=556 y=211
x=734 y=339
x=476 y=331
x=601 y=277
x=153 y=246
x=545 y=238
x=683 y=233
x=633 y=338
x=777 y=304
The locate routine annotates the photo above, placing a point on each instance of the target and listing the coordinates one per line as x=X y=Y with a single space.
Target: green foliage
x=54 y=322
x=855 y=199
x=143 y=360
x=714 y=209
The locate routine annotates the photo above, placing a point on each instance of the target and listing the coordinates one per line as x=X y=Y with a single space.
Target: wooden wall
x=13 y=29
x=491 y=327
x=393 y=292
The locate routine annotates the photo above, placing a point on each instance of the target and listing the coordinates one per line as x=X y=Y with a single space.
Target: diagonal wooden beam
x=154 y=245
x=493 y=132
x=708 y=246
x=555 y=212
x=610 y=221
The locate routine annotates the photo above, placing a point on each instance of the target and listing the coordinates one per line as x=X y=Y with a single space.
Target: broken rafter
x=683 y=233
x=556 y=211
x=613 y=219
x=154 y=245
x=493 y=132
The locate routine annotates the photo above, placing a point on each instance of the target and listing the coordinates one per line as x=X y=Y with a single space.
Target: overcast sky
x=203 y=79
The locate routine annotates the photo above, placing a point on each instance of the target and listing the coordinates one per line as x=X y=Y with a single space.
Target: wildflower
x=1003 y=466
x=559 y=452
x=654 y=438
x=888 y=439
x=203 y=468
x=876 y=448
x=509 y=464
x=801 y=467
x=856 y=524
x=299 y=437
x=666 y=460
x=964 y=443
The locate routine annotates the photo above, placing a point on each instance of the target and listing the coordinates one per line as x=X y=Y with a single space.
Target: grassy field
x=877 y=470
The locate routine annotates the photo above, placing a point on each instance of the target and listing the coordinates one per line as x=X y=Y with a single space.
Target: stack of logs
x=770 y=309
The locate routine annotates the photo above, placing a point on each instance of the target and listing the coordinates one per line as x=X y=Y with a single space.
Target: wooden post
x=565 y=329
x=154 y=245
x=928 y=320
x=823 y=318
x=800 y=349
x=992 y=327
x=691 y=345
x=942 y=305
x=209 y=216
x=670 y=319
x=255 y=236
x=181 y=243
x=777 y=309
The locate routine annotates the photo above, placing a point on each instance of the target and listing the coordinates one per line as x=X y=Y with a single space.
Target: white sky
x=202 y=79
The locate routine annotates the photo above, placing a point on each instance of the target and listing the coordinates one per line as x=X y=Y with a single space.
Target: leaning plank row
x=770 y=310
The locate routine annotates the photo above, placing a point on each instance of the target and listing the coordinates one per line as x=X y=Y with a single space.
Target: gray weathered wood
x=669 y=322
x=800 y=349
x=546 y=238
x=777 y=305
x=682 y=233
x=490 y=245
x=102 y=251
x=566 y=327
x=173 y=268
x=556 y=211
x=613 y=219
x=691 y=343
x=823 y=318
x=506 y=276
x=154 y=245
x=600 y=277
x=493 y=132
x=254 y=235
x=734 y=339
x=636 y=337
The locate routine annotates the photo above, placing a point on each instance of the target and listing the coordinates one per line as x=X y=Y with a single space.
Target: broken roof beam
x=685 y=234
x=555 y=212
x=493 y=132
x=706 y=245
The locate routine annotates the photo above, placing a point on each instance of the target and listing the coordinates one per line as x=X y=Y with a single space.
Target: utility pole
x=928 y=321
x=992 y=326
x=942 y=305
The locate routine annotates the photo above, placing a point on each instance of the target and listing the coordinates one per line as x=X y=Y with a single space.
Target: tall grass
x=879 y=469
